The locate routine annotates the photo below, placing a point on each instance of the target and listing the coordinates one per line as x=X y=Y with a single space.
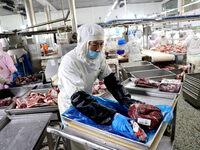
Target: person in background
x=182 y=38
x=7 y=67
x=192 y=43
x=134 y=48
x=45 y=48
x=77 y=72
x=163 y=40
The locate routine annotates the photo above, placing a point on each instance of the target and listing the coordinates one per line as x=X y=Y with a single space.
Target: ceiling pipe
x=48 y=16
x=10 y=7
x=72 y=9
x=30 y=12
x=53 y=21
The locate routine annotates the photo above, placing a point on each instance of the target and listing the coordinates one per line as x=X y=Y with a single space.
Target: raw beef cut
x=145 y=114
x=34 y=100
x=170 y=85
x=21 y=103
x=37 y=99
x=143 y=82
x=25 y=80
x=5 y=101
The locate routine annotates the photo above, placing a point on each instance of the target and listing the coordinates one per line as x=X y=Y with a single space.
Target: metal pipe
x=50 y=22
x=30 y=13
x=75 y=138
x=48 y=16
x=153 y=21
x=71 y=4
x=179 y=6
x=62 y=5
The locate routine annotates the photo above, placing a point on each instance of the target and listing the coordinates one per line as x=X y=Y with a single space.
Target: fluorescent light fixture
x=109 y=13
x=168 y=11
x=111 y=9
x=182 y=6
x=191 y=3
x=115 y=3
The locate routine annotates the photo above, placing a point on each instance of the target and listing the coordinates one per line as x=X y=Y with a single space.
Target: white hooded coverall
x=77 y=72
x=134 y=47
x=193 y=52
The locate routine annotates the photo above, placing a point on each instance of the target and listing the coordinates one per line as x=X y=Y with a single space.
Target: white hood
x=87 y=33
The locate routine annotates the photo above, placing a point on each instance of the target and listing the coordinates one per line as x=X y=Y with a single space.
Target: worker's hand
x=2 y=80
x=7 y=82
x=128 y=102
x=10 y=84
x=122 y=124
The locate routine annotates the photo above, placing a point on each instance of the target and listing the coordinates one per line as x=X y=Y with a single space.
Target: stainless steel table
x=100 y=139
x=23 y=132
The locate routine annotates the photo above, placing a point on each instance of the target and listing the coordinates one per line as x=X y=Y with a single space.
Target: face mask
x=92 y=54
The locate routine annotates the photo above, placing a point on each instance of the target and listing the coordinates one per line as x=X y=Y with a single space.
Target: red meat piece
x=169 y=87
x=21 y=103
x=5 y=101
x=146 y=82
x=145 y=114
x=34 y=101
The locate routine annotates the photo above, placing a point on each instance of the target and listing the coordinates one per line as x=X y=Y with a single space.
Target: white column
x=30 y=13
x=72 y=9
x=48 y=16
x=180 y=6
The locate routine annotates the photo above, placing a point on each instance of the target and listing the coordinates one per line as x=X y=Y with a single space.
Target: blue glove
x=11 y=84
x=122 y=125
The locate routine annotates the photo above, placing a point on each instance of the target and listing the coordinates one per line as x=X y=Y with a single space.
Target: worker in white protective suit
x=77 y=72
x=192 y=43
x=134 y=47
x=163 y=40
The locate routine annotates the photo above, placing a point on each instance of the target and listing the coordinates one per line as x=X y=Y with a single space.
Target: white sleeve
x=69 y=79
x=105 y=70
x=187 y=41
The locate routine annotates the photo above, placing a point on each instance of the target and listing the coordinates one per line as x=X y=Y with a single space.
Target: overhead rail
x=116 y=22
x=52 y=21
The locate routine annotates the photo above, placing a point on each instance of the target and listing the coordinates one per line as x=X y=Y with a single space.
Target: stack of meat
x=170 y=85
x=98 y=87
x=25 y=80
x=5 y=101
x=38 y=99
x=143 y=82
x=146 y=115
x=170 y=48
